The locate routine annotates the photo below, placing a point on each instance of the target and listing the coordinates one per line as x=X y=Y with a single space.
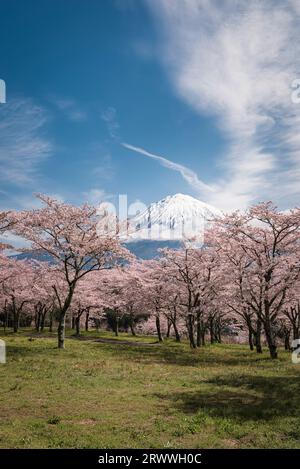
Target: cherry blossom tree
x=234 y=264
x=291 y=311
x=153 y=275
x=44 y=299
x=196 y=274
x=16 y=288
x=72 y=237
x=84 y=300
x=270 y=241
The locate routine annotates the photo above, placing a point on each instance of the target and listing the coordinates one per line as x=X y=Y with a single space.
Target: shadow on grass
x=14 y=352
x=244 y=397
x=168 y=352
x=173 y=353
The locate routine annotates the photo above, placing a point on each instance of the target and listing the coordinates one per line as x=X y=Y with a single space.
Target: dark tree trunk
x=219 y=334
x=15 y=320
x=203 y=336
x=211 y=331
x=87 y=317
x=287 y=341
x=37 y=320
x=62 y=318
x=168 y=328
x=16 y=325
x=5 y=324
x=117 y=327
x=158 y=329
x=258 y=337
x=198 y=333
x=190 y=329
x=42 y=324
x=250 y=339
x=51 y=322
x=271 y=340
x=131 y=325
x=295 y=332
x=77 y=325
x=177 y=335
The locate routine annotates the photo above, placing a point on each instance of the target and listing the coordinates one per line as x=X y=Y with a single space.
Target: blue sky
x=199 y=92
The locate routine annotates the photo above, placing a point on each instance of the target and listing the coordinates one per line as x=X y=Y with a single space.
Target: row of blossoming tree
x=243 y=279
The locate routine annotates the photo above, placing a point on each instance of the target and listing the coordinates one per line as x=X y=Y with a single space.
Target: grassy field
x=116 y=395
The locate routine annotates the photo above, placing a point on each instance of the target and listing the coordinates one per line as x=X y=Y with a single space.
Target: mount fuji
x=167 y=223
x=164 y=224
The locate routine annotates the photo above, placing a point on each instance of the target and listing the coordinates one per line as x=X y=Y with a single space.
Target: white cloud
x=70 y=109
x=22 y=143
x=109 y=116
x=187 y=174
x=21 y=201
x=236 y=61
x=95 y=196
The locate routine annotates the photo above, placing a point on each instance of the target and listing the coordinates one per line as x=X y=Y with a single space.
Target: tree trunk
x=177 y=335
x=117 y=327
x=258 y=337
x=62 y=317
x=295 y=332
x=37 y=319
x=5 y=324
x=168 y=328
x=287 y=341
x=219 y=335
x=15 y=321
x=250 y=339
x=51 y=322
x=87 y=317
x=131 y=325
x=198 y=333
x=77 y=325
x=203 y=336
x=271 y=341
x=211 y=331
x=42 y=324
x=158 y=329
x=61 y=332
x=190 y=329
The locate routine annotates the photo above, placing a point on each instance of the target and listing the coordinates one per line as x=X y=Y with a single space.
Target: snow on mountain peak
x=175 y=217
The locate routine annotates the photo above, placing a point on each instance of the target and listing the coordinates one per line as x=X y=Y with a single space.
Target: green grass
x=114 y=395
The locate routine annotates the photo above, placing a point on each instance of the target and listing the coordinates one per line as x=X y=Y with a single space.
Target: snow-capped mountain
x=164 y=224
x=176 y=217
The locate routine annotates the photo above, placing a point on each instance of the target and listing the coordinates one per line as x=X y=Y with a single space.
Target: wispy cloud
x=70 y=109
x=109 y=116
x=23 y=145
x=21 y=200
x=188 y=175
x=236 y=61
x=95 y=196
